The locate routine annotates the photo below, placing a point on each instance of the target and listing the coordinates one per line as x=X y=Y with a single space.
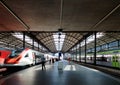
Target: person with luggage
x=43 y=62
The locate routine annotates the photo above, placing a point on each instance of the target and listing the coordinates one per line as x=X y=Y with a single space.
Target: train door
x=28 y=58
x=115 y=61
x=34 y=58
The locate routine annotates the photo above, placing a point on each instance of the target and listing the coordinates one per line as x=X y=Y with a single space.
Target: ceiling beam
x=45 y=36
x=85 y=36
x=106 y=16
x=110 y=36
x=37 y=40
x=15 y=15
x=5 y=35
x=71 y=36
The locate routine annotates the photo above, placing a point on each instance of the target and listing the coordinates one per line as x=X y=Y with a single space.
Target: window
x=26 y=55
x=113 y=44
x=89 y=50
x=98 y=48
x=59 y=40
x=104 y=47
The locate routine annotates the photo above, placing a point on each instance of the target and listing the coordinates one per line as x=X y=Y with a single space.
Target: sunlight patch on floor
x=70 y=68
x=40 y=68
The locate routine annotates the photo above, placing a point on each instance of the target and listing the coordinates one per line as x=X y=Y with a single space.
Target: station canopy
x=57 y=25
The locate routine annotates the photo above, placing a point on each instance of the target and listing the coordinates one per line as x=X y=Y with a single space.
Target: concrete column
x=23 y=40
x=95 y=49
x=85 y=49
x=33 y=43
x=80 y=52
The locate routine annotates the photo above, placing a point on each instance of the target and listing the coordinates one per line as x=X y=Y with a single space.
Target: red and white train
x=21 y=57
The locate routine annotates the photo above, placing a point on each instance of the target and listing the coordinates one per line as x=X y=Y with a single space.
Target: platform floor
x=72 y=74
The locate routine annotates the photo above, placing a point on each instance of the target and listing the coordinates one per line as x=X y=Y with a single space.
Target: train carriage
x=23 y=57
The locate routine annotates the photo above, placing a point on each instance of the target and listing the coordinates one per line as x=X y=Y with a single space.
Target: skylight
x=92 y=37
x=1 y=42
x=100 y=34
x=83 y=43
x=27 y=39
x=59 y=40
x=18 y=35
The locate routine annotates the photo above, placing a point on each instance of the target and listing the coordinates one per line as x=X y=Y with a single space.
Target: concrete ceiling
x=73 y=16
x=46 y=15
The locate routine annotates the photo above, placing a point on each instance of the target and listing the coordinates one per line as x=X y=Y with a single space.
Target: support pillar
x=85 y=49
x=95 y=49
x=23 y=40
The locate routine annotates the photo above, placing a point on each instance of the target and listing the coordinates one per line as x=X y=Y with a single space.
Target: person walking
x=43 y=63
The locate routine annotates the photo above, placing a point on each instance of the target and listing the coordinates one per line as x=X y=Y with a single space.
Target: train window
x=14 y=53
x=104 y=47
x=98 y=48
x=26 y=55
x=113 y=45
x=0 y=53
x=33 y=53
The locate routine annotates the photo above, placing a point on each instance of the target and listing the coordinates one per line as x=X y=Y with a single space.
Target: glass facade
x=107 y=54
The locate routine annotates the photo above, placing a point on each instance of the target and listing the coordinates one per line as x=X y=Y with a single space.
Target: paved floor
x=72 y=74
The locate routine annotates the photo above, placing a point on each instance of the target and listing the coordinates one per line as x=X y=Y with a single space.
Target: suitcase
x=60 y=65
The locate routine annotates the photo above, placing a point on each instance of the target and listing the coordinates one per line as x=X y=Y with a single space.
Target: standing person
x=43 y=62
x=50 y=61
x=69 y=60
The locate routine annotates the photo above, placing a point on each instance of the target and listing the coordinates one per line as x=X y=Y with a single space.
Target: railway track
x=6 y=71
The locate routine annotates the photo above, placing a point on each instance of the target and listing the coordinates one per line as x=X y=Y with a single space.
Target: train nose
x=2 y=60
x=12 y=60
x=9 y=61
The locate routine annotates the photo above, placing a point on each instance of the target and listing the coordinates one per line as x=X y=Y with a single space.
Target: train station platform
x=72 y=74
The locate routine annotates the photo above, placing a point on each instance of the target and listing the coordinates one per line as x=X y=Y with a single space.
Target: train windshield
x=15 y=53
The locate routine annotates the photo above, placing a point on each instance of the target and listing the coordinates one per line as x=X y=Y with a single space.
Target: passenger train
x=3 y=55
x=22 y=57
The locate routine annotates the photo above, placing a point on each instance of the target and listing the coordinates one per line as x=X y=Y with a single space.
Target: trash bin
x=60 y=65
